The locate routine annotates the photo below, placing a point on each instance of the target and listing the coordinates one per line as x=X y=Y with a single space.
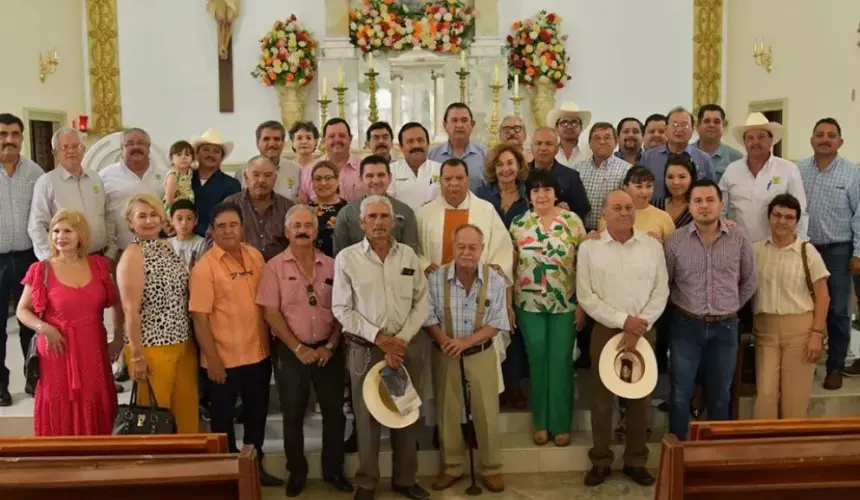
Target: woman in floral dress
x=327 y=204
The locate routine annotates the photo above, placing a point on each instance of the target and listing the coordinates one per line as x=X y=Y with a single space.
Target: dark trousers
x=516 y=364
x=251 y=382
x=294 y=384
x=13 y=267
x=837 y=258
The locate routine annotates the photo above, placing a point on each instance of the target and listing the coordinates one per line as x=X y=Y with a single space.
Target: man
x=629 y=132
x=468 y=307
x=711 y=275
x=625 y=298
x=379 y=140
x=513 y=131
x=263 y=210
x=380 y=298
x=337 y=138
x=231 y=332
x=569 y=121
x=459 y=123
x=832 y=187
x=680 y=130
x=270 y=143
x=712 y=121
x=655 y=131
x=17 y=181
x=376 y=176
x=73 y=187
x=571 y=192
x=602 y=172
x=295 y=291
x=415 y=179
x=750 y=183
x=211 y=186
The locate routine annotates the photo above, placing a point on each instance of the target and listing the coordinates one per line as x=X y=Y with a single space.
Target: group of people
x=453 y=262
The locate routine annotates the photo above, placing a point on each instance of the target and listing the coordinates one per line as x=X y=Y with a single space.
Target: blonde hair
x=493 y=158
x=78 y=222
x=145 y=198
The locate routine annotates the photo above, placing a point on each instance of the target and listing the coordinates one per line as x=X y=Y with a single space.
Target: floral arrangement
x=536 y=48
x=288 y=54
x=385 y=25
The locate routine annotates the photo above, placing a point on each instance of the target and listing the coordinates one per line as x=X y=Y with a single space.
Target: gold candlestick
x=494 y=116
x=371 y=86
x=341 y=93
x=323 y=102
x=463 y=74
x=516 y=100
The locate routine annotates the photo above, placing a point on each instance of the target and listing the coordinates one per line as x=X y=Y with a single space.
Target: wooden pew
x=132 y=477
x=173 y=444
x=797 y=468
x=755 y=429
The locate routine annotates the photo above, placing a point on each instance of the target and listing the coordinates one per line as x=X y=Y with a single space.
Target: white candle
x=340 y=76
x=516 y=85
x=496 y=73
x=323 y=89
x=462 y=59
x=370 y=60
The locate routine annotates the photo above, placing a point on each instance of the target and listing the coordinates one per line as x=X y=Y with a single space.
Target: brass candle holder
x=341 y=106
x=517 y=99
x=323 y=102
x=493 y=139
x=463 y=74
x=371 y=86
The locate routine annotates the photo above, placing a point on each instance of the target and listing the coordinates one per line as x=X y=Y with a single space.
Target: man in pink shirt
x=295 y=292
x=337 y=138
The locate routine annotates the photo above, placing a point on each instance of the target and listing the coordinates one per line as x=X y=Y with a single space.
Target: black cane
x=473 y=488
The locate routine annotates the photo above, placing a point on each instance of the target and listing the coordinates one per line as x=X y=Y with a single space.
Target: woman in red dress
x=64 y=301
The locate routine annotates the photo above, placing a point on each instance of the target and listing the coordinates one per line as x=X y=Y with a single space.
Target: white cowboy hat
x=379 y=402
x=568 y=108
x=757 y=121
x=213 y=136
x=640 y=362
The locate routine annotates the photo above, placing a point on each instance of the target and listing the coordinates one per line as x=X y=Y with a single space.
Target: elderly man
x=263 y=210
x=231 y=332
x=625 y=298
x=571 y=192
x=629 y=132
x=712 y=122
x=17 y=180
x=601 y=172
x=379 y=139
x=459 y=124
x=270 y=143
x=513 y=131
x=73 y=187
x=295 y=291
x=211 y=186
x=337 y=138
x=380 y=298
x=414 y=178
x=569 y=121
x=376 y=176
x=468 y=307
x=655 y=131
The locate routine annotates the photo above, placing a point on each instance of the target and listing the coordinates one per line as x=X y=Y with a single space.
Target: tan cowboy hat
x=757 y=121
x=629 y=374
x=213 y=136
x=568 y=108
x=379 y=403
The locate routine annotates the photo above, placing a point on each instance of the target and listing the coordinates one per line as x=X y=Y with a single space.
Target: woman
x=304 y=137
x=153 y=284
x=679 y=176
x=64 y=301
x=790 y=314
x=327 y=204
x=639 y=184
x=546 y=239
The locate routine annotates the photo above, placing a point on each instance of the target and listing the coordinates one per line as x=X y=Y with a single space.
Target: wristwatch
x=329 y=346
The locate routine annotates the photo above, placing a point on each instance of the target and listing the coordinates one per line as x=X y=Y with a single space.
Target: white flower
x=353 y=26
x=303 y=44
x=376 y=42
x=530 y=49
x=448 y=17
x=437 y=16
x=446 y=38
x=533 y=35
x=362 y=42
x=446 y=46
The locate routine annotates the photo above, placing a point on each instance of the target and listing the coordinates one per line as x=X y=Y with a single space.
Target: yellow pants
x=173 y=376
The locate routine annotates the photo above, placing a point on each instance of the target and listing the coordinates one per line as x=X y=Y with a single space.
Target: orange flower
x=290 y=77
x=272 y=76
x=267 y=82
x=530 y=71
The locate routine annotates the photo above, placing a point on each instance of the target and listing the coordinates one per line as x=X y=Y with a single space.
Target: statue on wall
x=225 y=12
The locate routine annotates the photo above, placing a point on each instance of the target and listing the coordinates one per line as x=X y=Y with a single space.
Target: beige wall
x=816 y=65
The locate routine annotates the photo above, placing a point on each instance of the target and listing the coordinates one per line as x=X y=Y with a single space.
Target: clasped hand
x=394 y=349
x=633 y=329
x=454 y=347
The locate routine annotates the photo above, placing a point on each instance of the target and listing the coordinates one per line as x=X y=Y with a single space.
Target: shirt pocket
x=224 y=294
x=294 y=292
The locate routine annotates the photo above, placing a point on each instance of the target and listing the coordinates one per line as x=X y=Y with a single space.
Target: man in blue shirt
x=571 y=190
x=712 y=122
x=210 y=185
x=458 y=125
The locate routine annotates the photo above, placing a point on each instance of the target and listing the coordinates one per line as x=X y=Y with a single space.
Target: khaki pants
x=483 y=384
x=783 y=377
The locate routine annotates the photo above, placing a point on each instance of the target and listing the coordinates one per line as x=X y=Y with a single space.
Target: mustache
x=416 y=150
x=305 y=236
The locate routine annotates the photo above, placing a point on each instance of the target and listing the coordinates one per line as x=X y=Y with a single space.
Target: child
x=177 y=185
x=183 y=219
x=639 y=184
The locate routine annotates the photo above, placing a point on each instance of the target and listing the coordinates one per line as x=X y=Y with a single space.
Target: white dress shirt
x=580 y=152
x=615 y=280
x=746 y=197
x=120 y=184
x=416 y=190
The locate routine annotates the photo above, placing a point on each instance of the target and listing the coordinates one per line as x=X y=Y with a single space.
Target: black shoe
x=597 y=475
x=415 y=492
x=295 y=485
x=121 y=375
x=5 y=397
x=363 y=494
x=204 y=413
x=351 y=443
x=340 y=483
x=267 y=479
x=639 y=475
x=30 y=388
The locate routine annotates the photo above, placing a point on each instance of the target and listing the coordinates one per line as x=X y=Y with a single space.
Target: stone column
x=396 y=101
x=336 y=18
x=439 y=103
x=487 y=20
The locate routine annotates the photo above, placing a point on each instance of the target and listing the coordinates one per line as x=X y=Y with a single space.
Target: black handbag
x=133 y=420
x=31 y=362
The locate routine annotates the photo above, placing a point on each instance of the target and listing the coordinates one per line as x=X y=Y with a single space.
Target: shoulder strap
x=446 y=301
x=482 y=299
x=482 y=296
x=805 y=258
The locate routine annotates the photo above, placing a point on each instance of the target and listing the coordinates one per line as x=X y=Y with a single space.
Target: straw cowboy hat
x=568 y=108
x=213 y=136
x=379 y=403
x=757 y=121
x=629 y=374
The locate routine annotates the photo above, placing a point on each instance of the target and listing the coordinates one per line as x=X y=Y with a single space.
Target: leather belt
x=707 y=318
x=359 y=341
x=475 y=349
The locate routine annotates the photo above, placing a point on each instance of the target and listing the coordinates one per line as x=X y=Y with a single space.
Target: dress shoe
x=267 y=479
x=30 y=388
x=597 y=475
x=853 y=370
x=351 y=443
x=639 y=475
x=340 y=483
x=414 y=492
x=121 y=375
x=833 y=381
x=5 y=397
x=494 y=482
x=295 y=485
x=363 y=494
x=444 y=481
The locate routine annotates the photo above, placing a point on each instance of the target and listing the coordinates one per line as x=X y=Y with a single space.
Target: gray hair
x=55 y=139
x=545 y=129
x=298 y=208
x=463 y=228
x=373 y=200
x=513 y=117
x=681 y=109
x=127 y=132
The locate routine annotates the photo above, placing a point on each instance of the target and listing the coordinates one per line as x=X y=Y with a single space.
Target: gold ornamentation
x=48 y=65
x=105 y=103
x=542 y=97
x=463 y=74
x=494 y=116
x=291 y=99
x=708 y=52
x=763 y=56
x=371 y=75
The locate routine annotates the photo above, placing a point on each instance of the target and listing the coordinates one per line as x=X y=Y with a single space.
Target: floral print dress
x=327 y=217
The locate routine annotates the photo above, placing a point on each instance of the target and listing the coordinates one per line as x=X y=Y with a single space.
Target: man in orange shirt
x=231 y=331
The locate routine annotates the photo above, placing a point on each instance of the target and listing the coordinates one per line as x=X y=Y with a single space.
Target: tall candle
x=324 y=89
x=516 y=85
x=370 y=60
x=340 y=76
x=462 y=59
x=496 y=73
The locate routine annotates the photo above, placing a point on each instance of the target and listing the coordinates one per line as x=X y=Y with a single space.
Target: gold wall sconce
x=48 y=65
x=763 y=55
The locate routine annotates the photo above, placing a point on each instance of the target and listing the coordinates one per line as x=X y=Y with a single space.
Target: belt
x=825 y=246
x=475 y=349
x=707 y=318
x=359 y=341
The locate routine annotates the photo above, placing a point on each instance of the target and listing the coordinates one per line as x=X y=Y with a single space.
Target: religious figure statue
x=225 y=12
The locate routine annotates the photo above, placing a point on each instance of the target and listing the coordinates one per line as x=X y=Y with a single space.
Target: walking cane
x=473 y=488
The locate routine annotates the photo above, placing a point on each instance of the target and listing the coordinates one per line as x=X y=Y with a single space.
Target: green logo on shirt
x=158 y=177
x=435 y=179
x=96 y=189
x=776 y=180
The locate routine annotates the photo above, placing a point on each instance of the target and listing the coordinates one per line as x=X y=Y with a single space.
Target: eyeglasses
x=566 y=122
x=516 y=129
x=68 y=148
x=320 y=178
x=680 y=125
x=312 y=296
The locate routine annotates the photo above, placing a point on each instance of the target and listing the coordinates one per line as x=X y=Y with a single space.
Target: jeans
x=692 y=343
x=13 y=268
x=836 y=258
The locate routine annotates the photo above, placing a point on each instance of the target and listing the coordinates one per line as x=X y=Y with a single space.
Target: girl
x=177 y=185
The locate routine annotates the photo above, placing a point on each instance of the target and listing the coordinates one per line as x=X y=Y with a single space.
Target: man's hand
x=498 y=269
x=592 y=235
x=729 y=222
x=657 y=236
x=390 y=344
x=563 y=205
x=854 y=265
x=453 y=348
x=636 y=326
x=394 y=361
x=430 y=269
x=580 y=318
x=512 y=318
x=628 y=342
x=215 y=370
x=306 y=355
x=323 y=355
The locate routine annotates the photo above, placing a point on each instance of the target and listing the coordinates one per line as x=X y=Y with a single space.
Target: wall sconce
x=763 y=56
x=48 y=65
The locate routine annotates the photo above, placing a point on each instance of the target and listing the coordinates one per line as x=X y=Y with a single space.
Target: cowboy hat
x=212 y=136
x=568 y=108
x=379 y=402
x=757 y=121
x=629 y=374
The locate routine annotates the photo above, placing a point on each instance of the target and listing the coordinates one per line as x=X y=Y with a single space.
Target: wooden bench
x=132 y=477
x=797 y=468
x=173 y=444
x=756 y=429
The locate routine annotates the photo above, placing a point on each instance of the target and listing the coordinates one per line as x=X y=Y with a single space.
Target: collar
x=638 y=235
x=365 y=244
x=471 y=149
x=767 y=164
x=467 y=203
x=837 y=160
x=555 y=164
x=350 y=161
x=66 y=175
x=664 y=149
x=287 y=255
x=620 y=154
x=148 y=171
x=695 y=229
x=219 y=252
x=493 y=188
x=794 y=246
x=452 y=275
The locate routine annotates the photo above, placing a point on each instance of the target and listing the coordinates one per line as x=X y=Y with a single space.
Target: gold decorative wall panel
x=103 y=47
x=707 y=52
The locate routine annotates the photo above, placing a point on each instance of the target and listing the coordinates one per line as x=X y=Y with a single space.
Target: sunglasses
x=312 y=296
x=241 y=273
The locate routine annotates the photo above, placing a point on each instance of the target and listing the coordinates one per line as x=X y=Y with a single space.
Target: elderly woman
x=153 y=285
x=546 y=239
x=326 y=203
x=64 y=301
x=790 y=314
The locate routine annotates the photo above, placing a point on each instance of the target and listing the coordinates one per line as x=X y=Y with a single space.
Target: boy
x=183 y=219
